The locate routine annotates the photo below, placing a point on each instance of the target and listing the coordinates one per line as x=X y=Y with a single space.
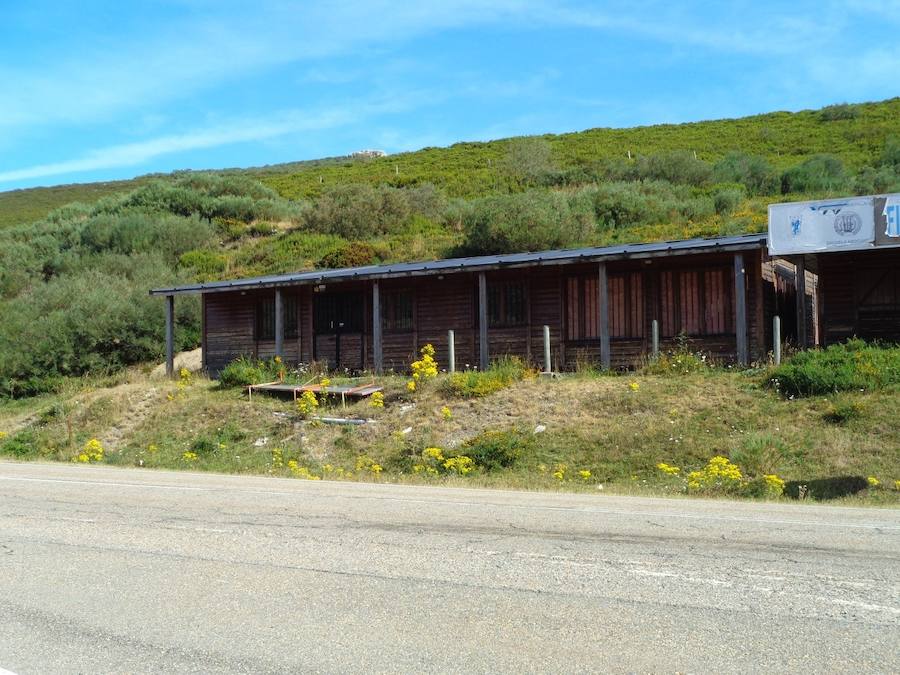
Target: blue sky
x=93 y=90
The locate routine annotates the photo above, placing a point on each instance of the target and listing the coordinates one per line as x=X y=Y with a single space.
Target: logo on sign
x=795 y=226
x=847 y=224
x=892 y=214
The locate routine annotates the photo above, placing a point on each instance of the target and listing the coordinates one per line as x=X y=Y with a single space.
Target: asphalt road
x=106 y=570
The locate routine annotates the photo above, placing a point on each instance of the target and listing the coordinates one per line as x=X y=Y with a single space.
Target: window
x=397 y=311
x=265 y=317
x=506 y=304
x=338 y=312
x=697 y=302
x=626 y=306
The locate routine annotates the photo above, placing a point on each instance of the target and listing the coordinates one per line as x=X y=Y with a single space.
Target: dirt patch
x=192 y=360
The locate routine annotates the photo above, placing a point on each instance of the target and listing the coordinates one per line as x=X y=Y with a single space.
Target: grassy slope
x=463 y=169
x=616 y=433
x=470 y=169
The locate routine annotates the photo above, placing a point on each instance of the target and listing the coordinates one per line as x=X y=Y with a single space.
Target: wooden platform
x=342 y=390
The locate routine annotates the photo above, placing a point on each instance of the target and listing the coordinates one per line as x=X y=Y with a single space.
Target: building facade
x=601 y=306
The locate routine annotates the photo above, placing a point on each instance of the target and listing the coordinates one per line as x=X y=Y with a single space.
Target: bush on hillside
x=727 y=200
x=244 y=371
x=98 y=318
x=820 y=173
x=839 y=111
x=476 y=384
x=675 y=167
x=354 y=254
x=753 y=172
x=622 y=205
x=496 y=450
x=529 y=221
x=529 y=161
x=360 y=210
x=853 y=365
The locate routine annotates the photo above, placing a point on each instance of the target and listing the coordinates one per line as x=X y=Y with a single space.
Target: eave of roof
x=480 y=263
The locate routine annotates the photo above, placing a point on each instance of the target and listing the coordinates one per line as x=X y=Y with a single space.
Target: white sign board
x=810 y=227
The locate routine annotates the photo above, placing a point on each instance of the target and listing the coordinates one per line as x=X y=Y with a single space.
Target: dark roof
x=482 y=262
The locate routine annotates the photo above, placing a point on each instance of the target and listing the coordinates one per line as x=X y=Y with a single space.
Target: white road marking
x=446 y=502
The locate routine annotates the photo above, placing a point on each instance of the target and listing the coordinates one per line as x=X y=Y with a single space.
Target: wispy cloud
x=237 y=131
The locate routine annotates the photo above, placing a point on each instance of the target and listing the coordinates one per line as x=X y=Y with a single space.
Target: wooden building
x=848 y=251
x=600 y=305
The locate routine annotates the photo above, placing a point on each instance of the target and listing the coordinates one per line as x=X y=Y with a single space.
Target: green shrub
x=843 y=412
x=354 y=254
x=854 y=365
x=821 y=173
x=205 y=265
x=679 y=361
x=22 y=444
x=529 y=221
x=679 y=166
x=839 y=111
x=762 y=454
x=726 y=201
x=753 y=172
x=244 y=371
x=476 y=384
x=495 y=450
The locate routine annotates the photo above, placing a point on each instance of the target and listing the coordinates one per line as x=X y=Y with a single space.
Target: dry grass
x=618 y=428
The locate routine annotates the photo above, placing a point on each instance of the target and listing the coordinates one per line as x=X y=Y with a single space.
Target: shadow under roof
x=481 y=263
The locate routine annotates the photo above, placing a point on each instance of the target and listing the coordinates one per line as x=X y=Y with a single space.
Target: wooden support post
x=170 y=335
x=451 y=351
x=603 y=290
x=800 y=284
x=548 y=366
x=776 y=339
x=483 y=356
x=377 y=347
x=279 y=323
x=654 y=336
x=740 y=309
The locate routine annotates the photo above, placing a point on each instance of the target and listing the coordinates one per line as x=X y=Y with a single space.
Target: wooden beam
x=800 y=285
x=203 y=362
x=377 y=348
x=483 y=356
x=603 y=291
x=170 y=335
x=279 y=323
x=740 y=309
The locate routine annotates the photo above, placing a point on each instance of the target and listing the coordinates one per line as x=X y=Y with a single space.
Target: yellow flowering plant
x=423 y=369
x=307 y=403
x=91 y=452
x=376 y=400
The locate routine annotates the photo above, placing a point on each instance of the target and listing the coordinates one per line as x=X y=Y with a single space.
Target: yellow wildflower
x=189 y=456
x=873 y=482
x=461 y=465
x=668 y=469
x=377 y=400
x=634 y=386
x=446 y=414
x=585 y=474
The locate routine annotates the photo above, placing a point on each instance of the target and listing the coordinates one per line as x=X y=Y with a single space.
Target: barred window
x=397 y=311
x=265 y=317
x=506 y=304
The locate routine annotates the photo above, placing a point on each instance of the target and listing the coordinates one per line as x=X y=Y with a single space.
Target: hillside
x=74 y=281
x=855 y=134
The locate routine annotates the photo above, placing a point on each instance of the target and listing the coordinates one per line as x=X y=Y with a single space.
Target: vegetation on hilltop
x=73 y=284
